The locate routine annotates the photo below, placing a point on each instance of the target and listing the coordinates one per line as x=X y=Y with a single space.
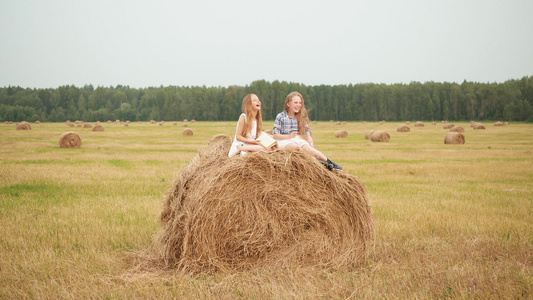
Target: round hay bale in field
x=341 y=134
x=368 y=134
x=37 y=122
x=499 y=123
x=433 y=123
x=339 y=123
x=210 y=221
x=454 y=138
x=477 y=126
x=408 y=122
x=364 y=122
x=152 y=122
x=87 y=125
x=98 y=128
x=126 y=125
x=185 y=120
x=175 y=123
x=457 y=129
x=403 y=128
x=314 y=122
x=109 y=121
x=161 y=123
x=193 y=121
x=448 y=126
x=23 y=126
x=184 y=125
x=419 y=124
x=188 y=132
x=380 y=136
x=331 y=121
x=70 y=140
x=505 y=123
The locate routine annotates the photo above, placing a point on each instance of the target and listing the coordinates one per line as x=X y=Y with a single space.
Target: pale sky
x=46 y=44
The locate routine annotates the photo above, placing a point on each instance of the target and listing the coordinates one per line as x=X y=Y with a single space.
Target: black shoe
x=326 y=164
x=334 y=165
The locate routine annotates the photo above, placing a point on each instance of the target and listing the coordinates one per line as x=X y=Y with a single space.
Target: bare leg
x=317 y=154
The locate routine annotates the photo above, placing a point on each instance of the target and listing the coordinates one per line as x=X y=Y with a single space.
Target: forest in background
x=511 y=100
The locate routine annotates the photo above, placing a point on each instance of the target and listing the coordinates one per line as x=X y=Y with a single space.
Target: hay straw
x=448 y=126
x=228 y=214
x=23 y=126
x=70 y=140
x=499 y=123
x=403 y=128
x=419 y=124
x=368 y=134
x=380 y=136
x=454 y=138
x=188 y=132
x=457 y=129
x=341 y=134
x=98 y=128
x=87 y=125
x=477 y=126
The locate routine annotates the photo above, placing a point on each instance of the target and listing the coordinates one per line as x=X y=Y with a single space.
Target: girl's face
x=294 y=105
x=256 y=103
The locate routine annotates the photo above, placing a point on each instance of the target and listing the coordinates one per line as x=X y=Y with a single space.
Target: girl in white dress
x=248 y=127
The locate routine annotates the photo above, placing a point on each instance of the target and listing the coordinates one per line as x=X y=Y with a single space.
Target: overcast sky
x=46 y=44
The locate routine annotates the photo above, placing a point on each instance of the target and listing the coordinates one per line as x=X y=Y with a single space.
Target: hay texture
x=368 y=134
x=70 y=140
x=419 y=124
x=499 y=123
x=188 y=132
x=87 y=125
x=380 y=136
x=341 y=134
x=448 y=126
x=477 y=126
x=23 y=126
x=227 y=214
x=454 y=138
x=457 y=129
x=403 y=128
x=98 y=128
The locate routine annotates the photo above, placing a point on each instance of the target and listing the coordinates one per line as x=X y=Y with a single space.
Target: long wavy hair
x=301 y=117
x=247 y=110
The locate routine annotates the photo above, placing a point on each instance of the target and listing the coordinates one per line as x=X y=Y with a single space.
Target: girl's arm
x=240 y=137
x=279 y=136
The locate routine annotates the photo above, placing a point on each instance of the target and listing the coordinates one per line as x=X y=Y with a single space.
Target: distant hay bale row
x=70 y=140
x=211 y=222
x=341 y=134
x=454 y=138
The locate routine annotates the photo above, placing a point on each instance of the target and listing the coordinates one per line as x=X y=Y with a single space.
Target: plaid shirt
x=286 y=125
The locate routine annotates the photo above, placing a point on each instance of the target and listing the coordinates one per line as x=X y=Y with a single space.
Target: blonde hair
x=301 y=117
x=247 y=110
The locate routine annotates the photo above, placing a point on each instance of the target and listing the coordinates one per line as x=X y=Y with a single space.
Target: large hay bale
x=454 y=138
x=457 y=129
x=368 y=134
x=188 y=132
x=448 y=126
x=98 y=128
x=499 y=123
x=477 y=126
x=87 y=125
x=23 y=126
x=403 y=128
x=419 y=124
x=212 y=222
x=380 y=136
x=341 y=134
x=70 y=140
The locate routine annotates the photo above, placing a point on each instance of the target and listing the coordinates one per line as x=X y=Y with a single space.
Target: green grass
x=452 y=221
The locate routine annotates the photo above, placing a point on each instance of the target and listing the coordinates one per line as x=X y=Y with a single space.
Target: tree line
x=511 y=100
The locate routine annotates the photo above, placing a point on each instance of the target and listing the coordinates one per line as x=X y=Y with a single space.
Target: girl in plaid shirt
x=291 y=129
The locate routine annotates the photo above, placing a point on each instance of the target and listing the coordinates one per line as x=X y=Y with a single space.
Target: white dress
x=251 y=136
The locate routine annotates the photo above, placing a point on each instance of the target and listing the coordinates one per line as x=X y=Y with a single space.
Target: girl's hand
x=293 y=134
x=254 y=142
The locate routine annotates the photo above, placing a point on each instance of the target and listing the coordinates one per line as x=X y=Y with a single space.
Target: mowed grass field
x=452 y=221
